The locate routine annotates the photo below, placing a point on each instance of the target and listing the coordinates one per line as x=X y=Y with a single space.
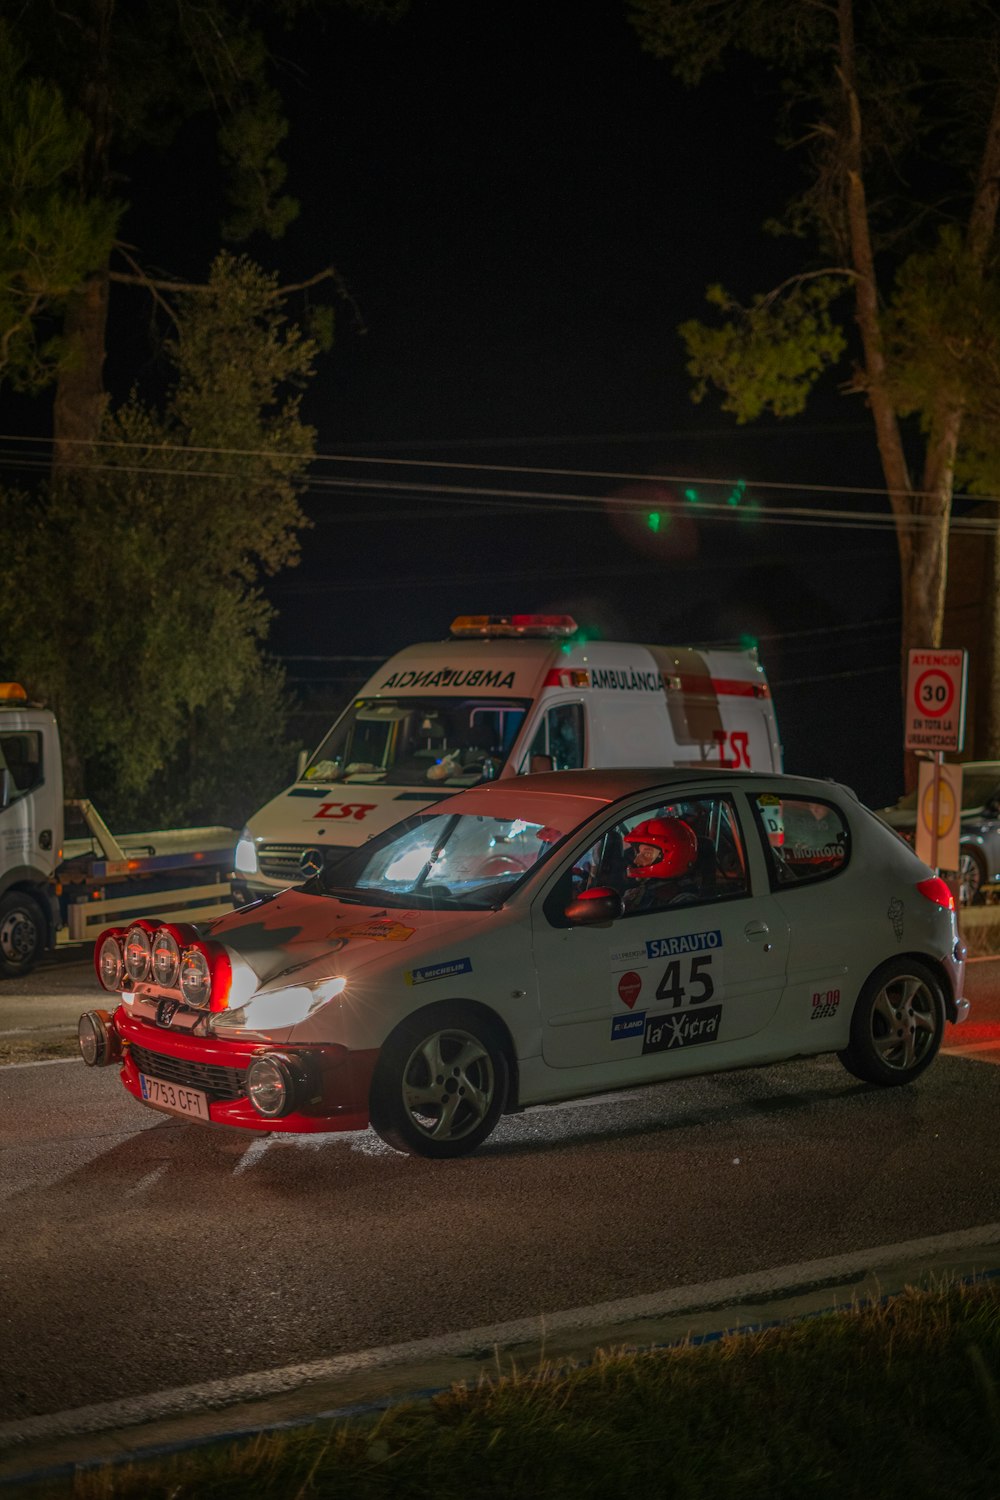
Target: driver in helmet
x=664 y=851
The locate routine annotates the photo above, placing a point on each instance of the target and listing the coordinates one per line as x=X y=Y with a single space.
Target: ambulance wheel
x=22 y=933
x=441 y=1082
x=897 y=1024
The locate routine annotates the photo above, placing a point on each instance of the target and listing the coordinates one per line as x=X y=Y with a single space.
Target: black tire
x=441 y=1082
x=971 y=875
x=897 y=1024
x=23 y=933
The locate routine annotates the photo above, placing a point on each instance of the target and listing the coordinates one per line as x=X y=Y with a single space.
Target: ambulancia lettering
x=688 y=1029
x=689 y=942
x=626 y=679
x=449 y=677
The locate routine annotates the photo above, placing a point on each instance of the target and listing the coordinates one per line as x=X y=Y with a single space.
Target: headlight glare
x=245 y=859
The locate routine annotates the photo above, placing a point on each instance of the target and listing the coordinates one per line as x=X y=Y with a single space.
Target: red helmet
x=676 y=841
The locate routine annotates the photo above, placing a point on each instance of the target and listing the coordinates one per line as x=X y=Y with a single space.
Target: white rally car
x=538 y=940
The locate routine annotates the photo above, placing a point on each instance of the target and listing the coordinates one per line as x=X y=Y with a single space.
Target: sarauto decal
x=690 y=942
x=665 y=1033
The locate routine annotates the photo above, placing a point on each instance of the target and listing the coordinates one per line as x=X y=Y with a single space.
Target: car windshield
x=414 y=741
x=463 y=862
x=978 y=788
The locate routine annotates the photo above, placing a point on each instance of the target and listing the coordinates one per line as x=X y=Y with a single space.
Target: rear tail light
x=206 y=976
x=937 y=890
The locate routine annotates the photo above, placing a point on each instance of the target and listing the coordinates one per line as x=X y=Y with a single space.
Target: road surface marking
x=724 y=1294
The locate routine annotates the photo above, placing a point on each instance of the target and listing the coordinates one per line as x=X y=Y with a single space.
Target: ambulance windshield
x=453 y=742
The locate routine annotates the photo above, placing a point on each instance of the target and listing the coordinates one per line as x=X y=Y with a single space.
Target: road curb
x=370 y=1381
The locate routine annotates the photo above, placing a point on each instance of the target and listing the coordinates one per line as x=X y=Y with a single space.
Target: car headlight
x=139 y=950
x=166 y=958
x=274 y=1085
x=245 y=860
x=279 y=1010
x=109 y=960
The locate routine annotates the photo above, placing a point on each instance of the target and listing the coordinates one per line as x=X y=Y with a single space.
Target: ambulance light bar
x=507 y=625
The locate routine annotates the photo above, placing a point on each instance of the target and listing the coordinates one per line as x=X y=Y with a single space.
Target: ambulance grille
x=216 y=1082
x=283 y=861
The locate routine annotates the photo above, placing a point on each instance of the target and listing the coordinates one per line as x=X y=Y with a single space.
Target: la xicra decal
x=689 y=1028
x=895 y=915
x=383 y=931
x=438 y=971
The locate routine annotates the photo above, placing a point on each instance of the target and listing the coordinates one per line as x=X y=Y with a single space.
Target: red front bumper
x=345 y=1076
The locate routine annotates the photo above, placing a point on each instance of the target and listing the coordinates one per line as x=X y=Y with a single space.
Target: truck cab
x=504 y=695
x=31 y=827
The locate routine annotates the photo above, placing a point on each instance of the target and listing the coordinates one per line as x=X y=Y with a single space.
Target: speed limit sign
x=935 y=699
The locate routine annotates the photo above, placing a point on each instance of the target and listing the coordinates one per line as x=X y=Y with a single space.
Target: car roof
x=609 y=786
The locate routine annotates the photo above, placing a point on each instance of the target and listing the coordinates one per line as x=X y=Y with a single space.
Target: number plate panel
x=174 y=1097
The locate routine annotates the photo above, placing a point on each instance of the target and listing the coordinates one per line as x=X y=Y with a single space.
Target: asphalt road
x=138 y=1254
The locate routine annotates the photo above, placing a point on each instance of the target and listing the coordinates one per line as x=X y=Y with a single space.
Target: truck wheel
x=440 y=1084
x=22 y=933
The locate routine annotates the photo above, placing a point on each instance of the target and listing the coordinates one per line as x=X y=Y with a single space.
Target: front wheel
x=440 y=1084
x=22 y=933
x=897 y=1024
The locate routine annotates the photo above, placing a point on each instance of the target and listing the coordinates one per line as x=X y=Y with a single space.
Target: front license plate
x=175 y=1097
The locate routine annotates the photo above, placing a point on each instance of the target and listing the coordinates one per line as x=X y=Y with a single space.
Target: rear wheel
x=441 y=1083
x=897 y=1024
x=970 y=878
x=22 y=933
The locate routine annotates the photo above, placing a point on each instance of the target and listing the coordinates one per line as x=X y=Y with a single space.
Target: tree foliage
x=895 y=112
x=51 y=238
x=148 y=561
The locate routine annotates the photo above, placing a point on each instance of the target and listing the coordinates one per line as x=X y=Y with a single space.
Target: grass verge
x=899 y=1401
x=36 y=1046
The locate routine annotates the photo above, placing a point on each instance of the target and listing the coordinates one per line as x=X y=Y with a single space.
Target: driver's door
x=704 y=967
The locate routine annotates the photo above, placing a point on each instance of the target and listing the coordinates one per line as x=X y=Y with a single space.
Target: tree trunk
x=79 y=400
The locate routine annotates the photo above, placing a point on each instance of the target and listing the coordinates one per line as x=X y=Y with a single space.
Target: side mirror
x=590 y=908
x=540 y=763
x=301 y=763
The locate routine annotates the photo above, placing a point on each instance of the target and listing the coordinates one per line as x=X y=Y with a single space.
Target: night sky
x=524 y=207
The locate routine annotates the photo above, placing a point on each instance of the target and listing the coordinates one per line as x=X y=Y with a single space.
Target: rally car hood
x=311 y=936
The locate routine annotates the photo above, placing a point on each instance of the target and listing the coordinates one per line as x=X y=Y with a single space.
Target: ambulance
x=505 y=695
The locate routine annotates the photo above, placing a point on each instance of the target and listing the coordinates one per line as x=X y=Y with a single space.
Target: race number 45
x=691 y=980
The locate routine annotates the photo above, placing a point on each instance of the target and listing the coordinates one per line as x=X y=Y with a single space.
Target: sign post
x=936 y=683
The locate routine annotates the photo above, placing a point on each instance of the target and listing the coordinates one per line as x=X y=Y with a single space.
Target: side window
x=684 y=853
x=805 y=840
x=21 y=754
x=560 y=738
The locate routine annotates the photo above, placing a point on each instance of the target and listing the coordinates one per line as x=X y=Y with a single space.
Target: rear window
x=805 y=840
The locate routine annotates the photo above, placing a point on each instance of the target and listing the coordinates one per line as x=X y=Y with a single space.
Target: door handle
x=756 y=932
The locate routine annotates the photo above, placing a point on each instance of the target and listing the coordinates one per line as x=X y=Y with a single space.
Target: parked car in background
x=537 y=940
x=979 y=830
